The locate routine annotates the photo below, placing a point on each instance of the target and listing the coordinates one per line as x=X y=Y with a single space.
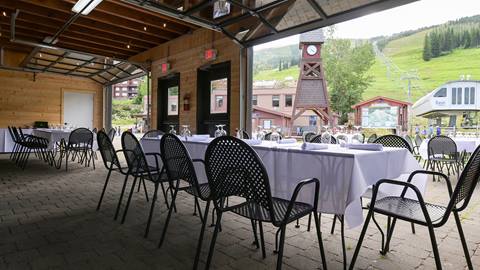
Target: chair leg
x=167 y=221
x=332 y=230
x=214 y=239
x=129 y=199
x=389 y=237
x=438 y=262
x=360 y=239
x=462 y=238
x=151 y=210
x=144 y=188
x=200 y=239
x=262 y=240
x=280 y=248
x=342 y=234
x=309 y=222
x=413 y=227
x=276 y=241
x=104 y=188
x=165 y=195
x=319 y=238
x=298 y=224
x=254 y=230
x=121 y=197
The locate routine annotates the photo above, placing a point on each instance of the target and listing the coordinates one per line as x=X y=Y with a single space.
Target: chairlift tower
x=409 y=77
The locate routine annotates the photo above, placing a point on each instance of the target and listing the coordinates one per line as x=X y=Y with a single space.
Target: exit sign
x=210 y=54
x=164 y=67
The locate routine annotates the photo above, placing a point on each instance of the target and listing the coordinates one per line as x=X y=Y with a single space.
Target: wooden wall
x=25 y=98
x=185 y=55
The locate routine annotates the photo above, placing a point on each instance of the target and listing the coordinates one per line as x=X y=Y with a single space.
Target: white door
x=78 y=109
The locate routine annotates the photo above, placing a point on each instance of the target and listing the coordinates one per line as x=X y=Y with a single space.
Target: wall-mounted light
x=4 y=14
x=144 y=28
x=164 y=24
x=86 y=5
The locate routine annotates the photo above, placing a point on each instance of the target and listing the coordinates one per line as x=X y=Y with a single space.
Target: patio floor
x=48 y=221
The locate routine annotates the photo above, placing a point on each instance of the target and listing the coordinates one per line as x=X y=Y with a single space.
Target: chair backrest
x=359 y=137
x=177 y=161
x=308 y=136
x=111 y=134
x=153 y=133
x=94 y=130
x=393 y=141
x=342 y=137
x=372 y=138
x=10 y=131
x=245 y=134
x=107 y=151
x=409 y=141
x=418 y=140
x=443 y=146
x=133 y=152
x=80 y=137
x=323 y=138
x=17 y=136
x=234 y=169
x=466 y=183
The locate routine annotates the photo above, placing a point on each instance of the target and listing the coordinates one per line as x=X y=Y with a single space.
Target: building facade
x=126 y=90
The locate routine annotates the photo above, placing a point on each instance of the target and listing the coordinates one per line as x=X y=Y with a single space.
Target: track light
x=86 y=5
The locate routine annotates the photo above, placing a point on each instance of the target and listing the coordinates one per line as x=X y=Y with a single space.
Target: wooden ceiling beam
x=26 y=26
x=86 y=32
x=138 y=16
x=61 y=18
x=96 y=17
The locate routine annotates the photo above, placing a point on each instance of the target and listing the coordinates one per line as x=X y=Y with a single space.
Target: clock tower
x=312 y=91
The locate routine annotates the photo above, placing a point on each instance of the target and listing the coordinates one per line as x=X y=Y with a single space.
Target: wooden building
x=392 y=113
x=51 y=48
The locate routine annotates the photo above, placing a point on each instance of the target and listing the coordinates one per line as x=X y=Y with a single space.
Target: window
x=172 y=100
x=459 y=95
x=267 y=124
x=117 y=94
x=441 y=93
x=454 y=95
x=275 y=101
x=254 y=100
x=288 y=100
x=218 y=96
x=472 y=95
x=219 y=102
x=467 y=95
x=124 y=88
x=124 y=94
x=312 y=120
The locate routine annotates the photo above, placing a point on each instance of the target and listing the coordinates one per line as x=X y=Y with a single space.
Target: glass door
x=168 y=102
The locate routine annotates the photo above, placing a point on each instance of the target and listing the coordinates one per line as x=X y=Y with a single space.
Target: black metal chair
x=422 y=213
x=442 y=152
x=139 y=168
x=111 y=162
x=267 y=136
x=323 y=138
x=372 y=138
x=308 y=136
x=245 y=134
x=79 y=145
x=359 y=137
x=24 y=145
x=153 y=133
x=342 y=137
x=393 y=141
x=111 y=134
x=234 y=169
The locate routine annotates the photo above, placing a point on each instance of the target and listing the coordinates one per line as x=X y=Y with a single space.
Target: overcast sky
x=407 y=17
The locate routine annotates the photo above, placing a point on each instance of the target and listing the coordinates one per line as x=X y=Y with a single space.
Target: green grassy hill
x=406 y=53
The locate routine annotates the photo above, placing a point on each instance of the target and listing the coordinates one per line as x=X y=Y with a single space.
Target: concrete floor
x=48 y=221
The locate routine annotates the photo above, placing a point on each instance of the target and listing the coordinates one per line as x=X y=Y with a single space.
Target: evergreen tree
x=427 y=49
x=435 y=44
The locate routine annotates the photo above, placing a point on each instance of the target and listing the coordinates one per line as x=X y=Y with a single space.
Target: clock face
x=311 y=49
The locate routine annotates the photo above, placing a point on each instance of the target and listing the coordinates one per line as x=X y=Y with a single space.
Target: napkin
x=368 y=146
x=198 y=138
x=314 y=146
x=202 y=136
x=252 y=141
x=287 y=141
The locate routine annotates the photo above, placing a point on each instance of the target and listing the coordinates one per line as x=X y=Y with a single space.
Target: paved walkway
x=48 y=221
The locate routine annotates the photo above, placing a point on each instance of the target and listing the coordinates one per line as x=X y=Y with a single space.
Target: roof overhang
x=251 y=23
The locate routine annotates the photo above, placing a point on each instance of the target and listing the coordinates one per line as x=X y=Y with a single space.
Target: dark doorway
x=213 y=98
x=168 y=102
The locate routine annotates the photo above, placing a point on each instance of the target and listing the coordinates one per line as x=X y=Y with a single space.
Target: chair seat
x=408 y=209
x=254 y=211
x=204 y=190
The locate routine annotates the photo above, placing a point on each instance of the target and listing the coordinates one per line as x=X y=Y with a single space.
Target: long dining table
x=345 y=174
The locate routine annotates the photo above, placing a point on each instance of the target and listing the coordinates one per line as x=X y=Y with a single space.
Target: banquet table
x=52 y=135
x=463 y=144
x=345 y=174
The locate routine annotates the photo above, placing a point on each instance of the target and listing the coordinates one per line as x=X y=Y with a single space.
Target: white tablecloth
x=52 y=135
x=6 y=141
x=467 y=144
x=345 y=174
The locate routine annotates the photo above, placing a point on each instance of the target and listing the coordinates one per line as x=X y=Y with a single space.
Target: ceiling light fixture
x=144 y=28
x=86 y=5
x=164 y=24
x=4 y=14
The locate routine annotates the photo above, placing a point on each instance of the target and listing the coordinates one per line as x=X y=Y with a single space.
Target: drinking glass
x=223 y=131
x=172 y=130
x=218 y=132
x=275 y=136
x=186 y=131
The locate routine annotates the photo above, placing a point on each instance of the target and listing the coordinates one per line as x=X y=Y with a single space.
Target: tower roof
x=315 y=36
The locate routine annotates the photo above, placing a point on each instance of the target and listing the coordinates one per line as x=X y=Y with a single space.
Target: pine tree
x=427 y=49
x=435 y=44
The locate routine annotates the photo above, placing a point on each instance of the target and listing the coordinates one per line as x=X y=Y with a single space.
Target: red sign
x=210 y=54
x=164 y=67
